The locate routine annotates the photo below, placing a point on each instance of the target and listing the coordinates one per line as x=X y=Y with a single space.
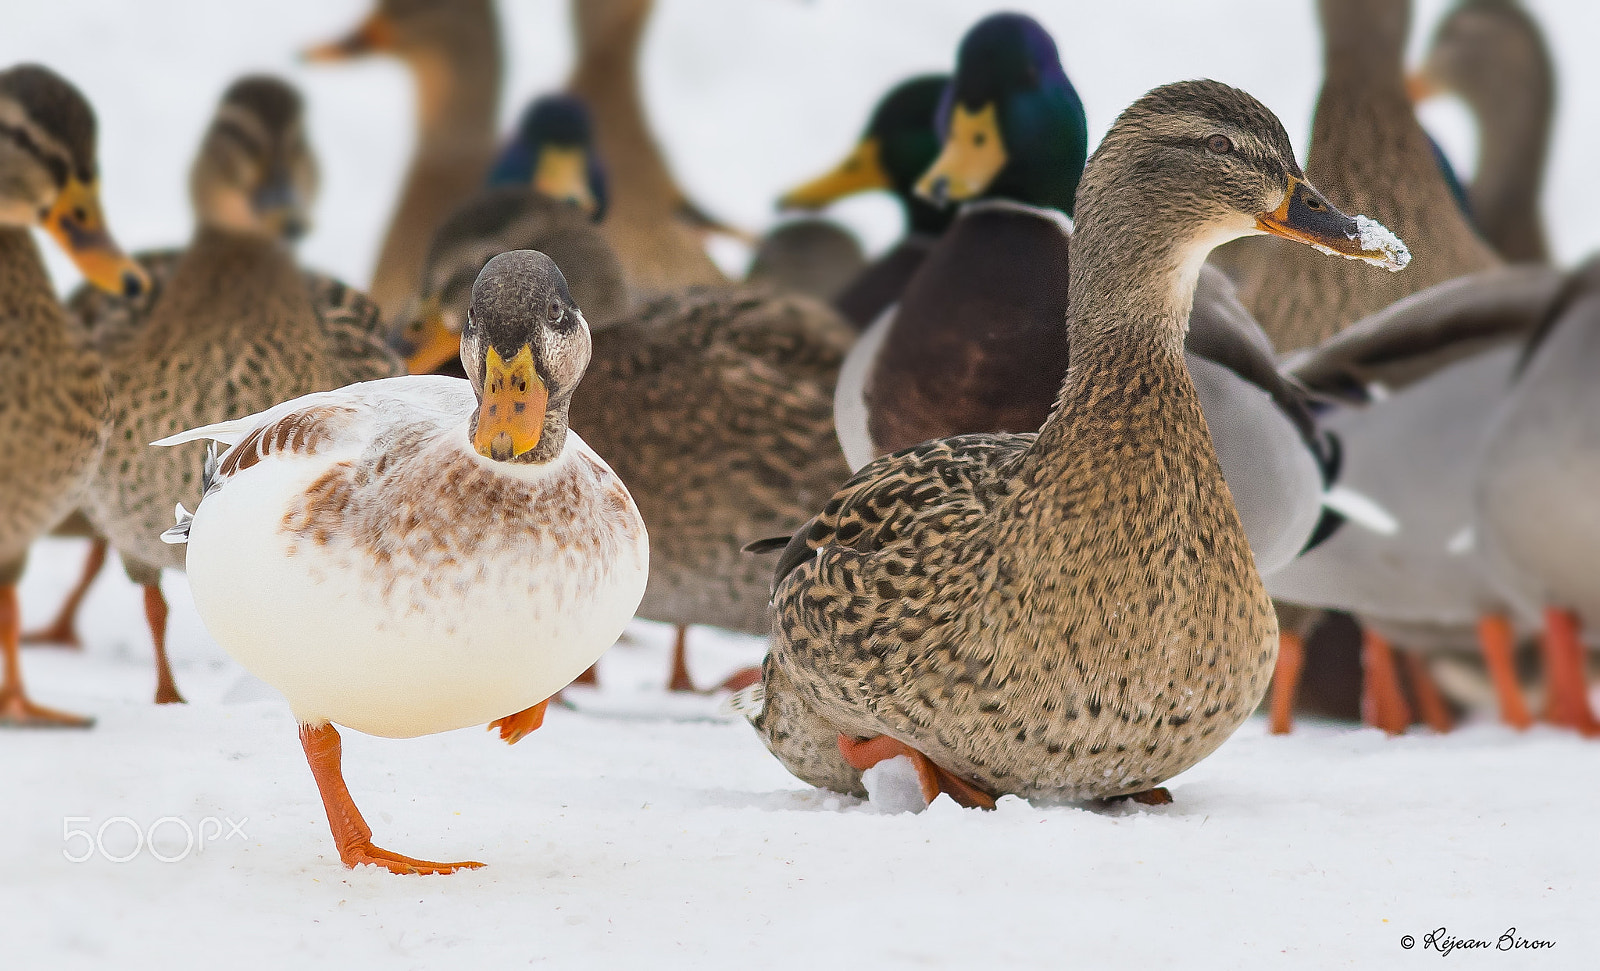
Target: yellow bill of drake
x=861 y=171
x=563 y=173
x=428 y=341
x=511 y=414
x=973 y=155
x=78 y=224
x=1306 y=217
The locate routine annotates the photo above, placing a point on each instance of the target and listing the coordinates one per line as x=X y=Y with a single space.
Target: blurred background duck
x=53 y=391
x=1492 y=55
x=345 y=536
x=236 y=328
x=900 y=141
x=658 y=232
x=1369 y=154
x=808 y=255
x=546 y=192
x=453 y=50
x=976 y=342
x=973 y=603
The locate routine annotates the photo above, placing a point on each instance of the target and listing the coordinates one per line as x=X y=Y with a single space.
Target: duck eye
x=554 y=311
x=1219 y=144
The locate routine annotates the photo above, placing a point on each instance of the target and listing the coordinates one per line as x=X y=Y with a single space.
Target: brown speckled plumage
x=716 y=408
x=1370 y=155
x=1073 y=614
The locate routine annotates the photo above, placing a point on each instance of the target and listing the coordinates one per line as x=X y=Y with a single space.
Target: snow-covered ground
x=643 y=828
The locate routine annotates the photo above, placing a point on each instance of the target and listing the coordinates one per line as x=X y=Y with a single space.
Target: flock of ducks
x=1056 y=490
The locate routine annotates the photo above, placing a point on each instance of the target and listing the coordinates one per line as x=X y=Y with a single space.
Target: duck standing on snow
x=452 y=48
x=237 y=327
x=899 y=144
x=1074 y=613
x=52 y=386
x=420 y=554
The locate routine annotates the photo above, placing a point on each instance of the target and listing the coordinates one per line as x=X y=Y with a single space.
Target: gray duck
x=236 y=328
x=1492 y=54
x=1074 y=613
x=1368 y=153
x=453 y=50
x=53 y=400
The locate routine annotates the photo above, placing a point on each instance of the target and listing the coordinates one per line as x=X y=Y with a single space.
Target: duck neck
x=230 y=280
x=1364 y=47
x=1514 y=118
x=458 y=95
x=610 y=34
x=24 y=287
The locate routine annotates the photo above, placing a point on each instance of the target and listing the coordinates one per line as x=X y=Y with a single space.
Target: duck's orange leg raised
x=1383 y=704
x=514 y=728
x=863 y=754
x=1286 y=680
x=63 y=631
x=350 y=832
x=1499 y=645
x=15 y=708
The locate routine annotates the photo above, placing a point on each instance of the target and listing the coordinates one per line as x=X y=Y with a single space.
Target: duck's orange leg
x=680 y=680
x=155 y=612
x=1499 y=647
x=1565 y=680
x=351 y=834
x=1383 y=704
x=1430 y=700
x=63 y=631
x=15 y=708
x=865 y=753
x=590 y=676
x=514 y=728
x=1286 y=680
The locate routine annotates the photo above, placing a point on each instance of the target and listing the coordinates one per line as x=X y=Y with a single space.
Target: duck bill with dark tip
x=1305 y=216
x=427 y=342
x=511 y=412
x=77 y=223
x=861 y=171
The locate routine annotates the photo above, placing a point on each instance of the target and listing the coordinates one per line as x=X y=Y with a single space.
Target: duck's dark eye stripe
x=57 y=166
x=235 y=131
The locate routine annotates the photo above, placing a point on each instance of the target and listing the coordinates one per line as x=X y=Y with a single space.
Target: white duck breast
x=358 y=555
x=1415 y=454
x=1537 y=504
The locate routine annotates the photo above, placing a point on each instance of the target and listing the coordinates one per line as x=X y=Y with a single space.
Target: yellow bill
x=861 y=171
x=563 y=173
x=428 y=341
x=972 y=156
x=78 y=224
x=511 y=413
x=374 y=35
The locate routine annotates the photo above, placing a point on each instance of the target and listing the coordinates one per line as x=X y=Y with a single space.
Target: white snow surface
x=649 y=829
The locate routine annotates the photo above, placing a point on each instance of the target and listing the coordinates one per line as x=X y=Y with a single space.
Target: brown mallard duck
x=53 y=404
x=655 y=228
x=1369 y=153
x=1073 y=613
x=1492 y=54
x=453 y=50
x=236 y=328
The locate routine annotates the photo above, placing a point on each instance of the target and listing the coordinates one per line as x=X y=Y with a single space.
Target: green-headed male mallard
x=53 y=404
x=1072 y=614
x=452 y=48
x=236 y=328
x=900 y=141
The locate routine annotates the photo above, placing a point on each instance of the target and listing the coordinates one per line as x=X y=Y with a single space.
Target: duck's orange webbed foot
x=63 y=631
x=863 y=754
x=1383 y=702
x=16 y=711
x=364 y=852
x=1568 y=687
x=1286 y=681
x=1499 y=643
x=741 y=679
x=514 y=728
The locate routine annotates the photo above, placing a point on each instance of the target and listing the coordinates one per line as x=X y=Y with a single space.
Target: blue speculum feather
x=1452 y=180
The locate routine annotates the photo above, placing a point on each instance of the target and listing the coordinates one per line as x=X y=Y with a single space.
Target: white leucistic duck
x=421 y=554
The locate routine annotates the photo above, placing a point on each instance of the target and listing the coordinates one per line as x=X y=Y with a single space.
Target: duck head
x=1491 y=53
x=49 y=176
x=1012 y=124
x=900 y=142
x=525 y=347
x=255 y=173
x=1186 y=168
x=553 y=152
